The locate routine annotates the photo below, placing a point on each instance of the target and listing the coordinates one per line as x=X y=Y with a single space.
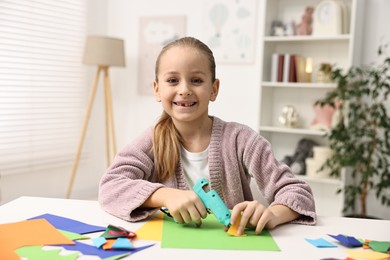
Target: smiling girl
x=159 y=168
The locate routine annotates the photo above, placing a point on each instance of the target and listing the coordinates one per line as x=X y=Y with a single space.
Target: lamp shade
x=104 y=51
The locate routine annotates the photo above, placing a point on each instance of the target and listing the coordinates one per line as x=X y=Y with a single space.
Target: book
x=280 y=67
x=286 y=67
x=274 y=67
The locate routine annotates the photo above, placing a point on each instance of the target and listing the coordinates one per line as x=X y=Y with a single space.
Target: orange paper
x=37 y=232
x=233 y=228
x=152 y=230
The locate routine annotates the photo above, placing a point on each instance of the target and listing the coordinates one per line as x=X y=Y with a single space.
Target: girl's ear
x=214 y=91
x=156 y=91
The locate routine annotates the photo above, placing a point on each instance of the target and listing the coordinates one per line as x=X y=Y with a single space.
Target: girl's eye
x=172 y=80
x=197 y=81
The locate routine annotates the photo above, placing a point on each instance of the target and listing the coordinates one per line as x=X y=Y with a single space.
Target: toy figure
x=305 y=26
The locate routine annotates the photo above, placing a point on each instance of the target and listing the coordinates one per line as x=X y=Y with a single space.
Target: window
x=42 y=86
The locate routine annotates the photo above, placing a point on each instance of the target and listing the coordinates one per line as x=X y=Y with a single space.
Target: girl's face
x=184 y=84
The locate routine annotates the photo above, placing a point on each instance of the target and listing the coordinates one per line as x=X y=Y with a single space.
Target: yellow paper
x=152 y=230
x=366 y=254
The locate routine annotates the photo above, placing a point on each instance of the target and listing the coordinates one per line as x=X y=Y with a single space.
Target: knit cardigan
x=237 y=154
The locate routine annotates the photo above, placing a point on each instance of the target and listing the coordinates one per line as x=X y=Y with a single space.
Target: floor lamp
x=104 y=52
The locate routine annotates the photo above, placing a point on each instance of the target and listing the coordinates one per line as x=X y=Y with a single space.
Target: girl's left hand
x=254 y=215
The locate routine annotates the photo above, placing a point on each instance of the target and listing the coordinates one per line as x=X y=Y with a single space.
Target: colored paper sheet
x=70 y=225
x=211 y=235
x=380 y=246
x=73 y=236
x=152 y=230
x=233 y=228
x=92 y=250
x=347 y=240
x=320 y=243
x=28 y=233
x=366 y=254
x=38 y=253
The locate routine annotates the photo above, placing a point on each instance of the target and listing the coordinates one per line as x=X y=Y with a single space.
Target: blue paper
x=70 y=225
x=347 y=240
x=320 y=242
x=122 y=243
x=99 y=241
x=92 y=250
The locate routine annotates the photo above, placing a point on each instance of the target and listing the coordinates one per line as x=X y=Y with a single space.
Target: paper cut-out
x=347 y=240
x=320 y=243
x=122 y=243
x=37 y=252
x=99 y=241
x=28 y=233
x=70 y=225
x=114 y=232
x=380 y=246
x=211 y=235
x=72 y=235
x=233 y=228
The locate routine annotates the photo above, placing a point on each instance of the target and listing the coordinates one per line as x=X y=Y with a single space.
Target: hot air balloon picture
x=229 y=26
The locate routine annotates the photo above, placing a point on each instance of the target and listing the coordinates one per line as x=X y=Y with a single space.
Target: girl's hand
x=185 y=206
x=256 y=215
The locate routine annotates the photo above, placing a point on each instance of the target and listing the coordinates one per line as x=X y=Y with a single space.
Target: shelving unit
x=341 y=50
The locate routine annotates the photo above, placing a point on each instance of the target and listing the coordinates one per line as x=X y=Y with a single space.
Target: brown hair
x=166 y=139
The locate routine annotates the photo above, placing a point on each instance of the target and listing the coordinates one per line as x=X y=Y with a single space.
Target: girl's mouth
x=185 y=104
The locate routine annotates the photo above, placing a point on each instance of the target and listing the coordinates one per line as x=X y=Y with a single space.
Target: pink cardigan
x=236 y=154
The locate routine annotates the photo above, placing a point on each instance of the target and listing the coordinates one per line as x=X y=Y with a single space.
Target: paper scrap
x=99 y=241
x=122 y=243
x=347 y=241
x=234 y=228
x=320 y=243
x=379 y=246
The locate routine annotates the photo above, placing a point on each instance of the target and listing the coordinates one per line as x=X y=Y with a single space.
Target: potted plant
x=360 y=140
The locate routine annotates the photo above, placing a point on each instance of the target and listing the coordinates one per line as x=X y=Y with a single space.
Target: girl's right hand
x=185 y=206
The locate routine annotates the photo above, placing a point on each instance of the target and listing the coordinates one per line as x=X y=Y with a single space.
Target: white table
x=290 y=237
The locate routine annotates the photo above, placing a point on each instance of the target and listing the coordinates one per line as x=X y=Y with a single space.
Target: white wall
x=237 y=100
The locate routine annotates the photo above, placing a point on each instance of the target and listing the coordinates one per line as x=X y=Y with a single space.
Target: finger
x=186 y=216
x=237 y=210
x=246 y=215
x=256 y=216
x=265 y=217
x=177 y=217
x=201 y=208
x=195 y=216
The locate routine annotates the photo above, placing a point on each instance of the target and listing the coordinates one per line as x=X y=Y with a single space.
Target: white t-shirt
x=195 y=165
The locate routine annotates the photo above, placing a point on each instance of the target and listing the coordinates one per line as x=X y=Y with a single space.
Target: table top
x=289 y=237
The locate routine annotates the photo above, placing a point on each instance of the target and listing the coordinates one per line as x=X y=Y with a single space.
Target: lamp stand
x=110 y=131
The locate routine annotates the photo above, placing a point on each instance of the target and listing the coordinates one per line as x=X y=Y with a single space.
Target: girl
x=160 y=167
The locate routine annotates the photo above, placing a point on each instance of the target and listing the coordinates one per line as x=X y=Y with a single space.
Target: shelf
x=309 y=38
x=320 y=180
x=269 y=84
x=302 y=131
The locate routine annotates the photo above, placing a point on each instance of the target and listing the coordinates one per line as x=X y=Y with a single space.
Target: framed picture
x=230 y=30
x=154 y=33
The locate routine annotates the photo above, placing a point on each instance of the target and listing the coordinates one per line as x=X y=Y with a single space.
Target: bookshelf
x=341 y=50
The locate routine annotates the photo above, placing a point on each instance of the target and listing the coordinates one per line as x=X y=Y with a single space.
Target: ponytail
x=166 y=147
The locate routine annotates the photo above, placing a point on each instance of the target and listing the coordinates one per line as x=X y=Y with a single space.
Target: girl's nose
x=184 y=89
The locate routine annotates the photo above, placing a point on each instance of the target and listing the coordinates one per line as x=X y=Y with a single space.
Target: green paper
x=73 y=236
x=380 y=246
x=116 y=257
x=211 y=235
x=37 y=253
